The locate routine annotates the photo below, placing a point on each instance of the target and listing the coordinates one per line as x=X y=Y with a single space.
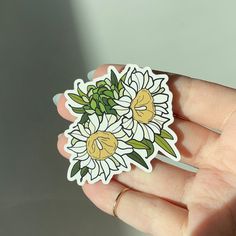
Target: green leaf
x=90 y=87
x=114 y=80
x=137 y=158
x=74 y=141
x=83 y=172
x=84 y=118
x=98 y=112
x=102 y=107
x=116 y=96
x=100 y=83
x=136 y=144
x=120 y=86
x=111 y=111
x=93 y=104
x=108 y=82
x=85 y=99
x=78 y=110
x=150 y=149
x=111 y=102
x=80 y=92
x=122 y=79
x=164 y=145
x=95 y=96
x=165 y=134
x=76 y=98
x=104 y=100
x=95 y=90
x=109 y=93
x=101 y=90
x=75 y=169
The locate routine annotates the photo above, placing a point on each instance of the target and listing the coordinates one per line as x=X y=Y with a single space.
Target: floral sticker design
x=123 y=118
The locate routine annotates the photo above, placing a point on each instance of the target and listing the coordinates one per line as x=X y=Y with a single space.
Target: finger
x=166 y=181
x=61 y=142
x=193 y=142
x=147 y=213
x=155 y=182
x=205 y=103
x=63 y=111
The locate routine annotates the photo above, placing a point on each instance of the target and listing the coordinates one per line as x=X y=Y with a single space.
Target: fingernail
x=91 y=74
x=56 y=98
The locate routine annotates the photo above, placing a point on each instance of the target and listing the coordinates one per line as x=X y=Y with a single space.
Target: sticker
x=123 y=118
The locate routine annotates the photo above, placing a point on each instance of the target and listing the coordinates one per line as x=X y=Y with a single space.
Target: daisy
x=144 y=104
x=100 y=146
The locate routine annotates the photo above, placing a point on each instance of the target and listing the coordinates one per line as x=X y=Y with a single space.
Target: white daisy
x=144 y=104
x=100 y=146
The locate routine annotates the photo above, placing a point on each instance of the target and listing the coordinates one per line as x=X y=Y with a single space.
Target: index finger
x=199 y=101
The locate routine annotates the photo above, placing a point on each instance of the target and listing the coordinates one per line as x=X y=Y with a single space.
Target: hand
x=169 y=200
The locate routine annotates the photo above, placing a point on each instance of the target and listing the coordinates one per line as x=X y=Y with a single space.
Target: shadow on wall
x=40 y=56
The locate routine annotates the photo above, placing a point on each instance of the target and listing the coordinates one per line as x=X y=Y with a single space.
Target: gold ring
x=118 y=198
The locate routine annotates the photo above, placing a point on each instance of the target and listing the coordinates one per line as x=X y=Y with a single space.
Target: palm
x=172 y=201
x=212 y=193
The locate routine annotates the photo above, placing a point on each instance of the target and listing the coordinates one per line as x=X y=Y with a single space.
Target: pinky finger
x=145 y=212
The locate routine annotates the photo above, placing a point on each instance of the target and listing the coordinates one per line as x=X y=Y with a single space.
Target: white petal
x=134 y=86
x=161 y=109
x=91 y=164
x=77 y=134
x=124 y=101
x=111 y=119
x=123 y=145
x=105 y=168
x=121 y=110
x=128 y=123
x=94 y=123
x=145 y=79
x=111 y=164
x=156 y=85
x=83 y=131
x=138 y=133
x=84 y=156
x=148 y=133
x=120 y=160
x=154 y=127
x=94 y=172
x=120 y=134
x=160 y=120
x=129 y=91
x=145 y=131
x=160 y=98
x=121 y=152
x=80 y=144
x=151 y=135
x=103 y=126
x=138 y=78
x=129 y=114
x=85 y=162
x=150 y=80
x=77 y=149
x=115 y=127
x=128 y=132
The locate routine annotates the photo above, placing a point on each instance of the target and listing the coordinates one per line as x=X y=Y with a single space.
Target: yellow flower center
x=101 y=145
x=143 y=107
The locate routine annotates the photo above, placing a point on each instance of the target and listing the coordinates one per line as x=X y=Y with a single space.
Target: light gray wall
x=44 y=46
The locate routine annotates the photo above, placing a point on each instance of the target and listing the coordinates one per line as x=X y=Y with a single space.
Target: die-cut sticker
x=122 y=118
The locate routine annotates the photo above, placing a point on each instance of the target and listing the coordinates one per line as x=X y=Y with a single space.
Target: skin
x=172 y=201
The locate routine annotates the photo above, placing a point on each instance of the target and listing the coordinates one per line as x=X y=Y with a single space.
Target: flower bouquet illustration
x=123 y=118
